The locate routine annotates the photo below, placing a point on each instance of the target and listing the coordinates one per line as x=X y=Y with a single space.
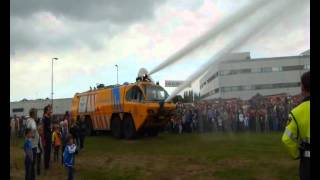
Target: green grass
x=169 y=156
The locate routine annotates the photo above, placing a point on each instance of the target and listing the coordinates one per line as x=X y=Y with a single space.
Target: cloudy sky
x=90 y=37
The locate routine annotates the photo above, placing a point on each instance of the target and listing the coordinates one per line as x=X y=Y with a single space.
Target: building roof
x=307 y=52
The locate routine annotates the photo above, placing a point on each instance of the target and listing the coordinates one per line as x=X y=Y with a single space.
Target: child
x=64 y=138
x=28 y=154
x=75 y=134
x=39 y=148
x=68 y=156
x=56 y=142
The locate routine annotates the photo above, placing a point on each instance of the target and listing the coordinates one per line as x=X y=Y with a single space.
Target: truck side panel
x=102 y=114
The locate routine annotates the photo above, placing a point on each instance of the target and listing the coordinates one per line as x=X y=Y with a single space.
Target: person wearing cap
x=297 y=134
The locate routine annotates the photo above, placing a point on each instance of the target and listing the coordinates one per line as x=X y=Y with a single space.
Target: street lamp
x=117 y=73
x=52 y=83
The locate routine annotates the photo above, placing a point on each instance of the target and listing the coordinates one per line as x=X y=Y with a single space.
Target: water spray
x=276 y=11
x=212 y=33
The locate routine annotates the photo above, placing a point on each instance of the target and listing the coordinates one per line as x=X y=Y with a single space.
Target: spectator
x=56 y=142
x=17 y=126
x=24 y=124
x=220 y=119
x=21 y=127
x=47 y=135
x=39 y=148
x=13 y=131
x=241 y=121
x=64 y=134
x=28 y=155
x=226 y=120
x=68 y=156
x=246 y=121
x=61 y=122
x=66 y=117
x=82 y=131
x=31 y=124
x=258 y=114
x=74 y=130
x=210 y=118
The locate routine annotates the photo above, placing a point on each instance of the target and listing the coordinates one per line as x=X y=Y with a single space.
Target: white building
x=239 y=76
x=21 y=108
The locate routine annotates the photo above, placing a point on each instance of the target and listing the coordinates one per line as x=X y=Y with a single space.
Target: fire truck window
x=134 y=94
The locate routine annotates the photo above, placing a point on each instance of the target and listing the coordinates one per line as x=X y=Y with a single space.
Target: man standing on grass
x=31 y=124
x=297 y=134
x=46 y=120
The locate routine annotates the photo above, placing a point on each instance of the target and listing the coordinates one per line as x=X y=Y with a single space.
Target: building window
x=264 y=86
x=245 y=71
x=267 y=69
x=257 y=70
x=216 y=90
x=17 y=110
x=307 y=66
x=226 y=89
x=240 y=88
x=258 y=87
x=276 y=69
x=213 y=77
x=235 y=88
x=285 y=85
x=293 y=68
x=247 y=87
x=225 y=72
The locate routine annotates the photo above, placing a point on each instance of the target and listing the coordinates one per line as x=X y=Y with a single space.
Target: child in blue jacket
x=28 y=154
x=68 y=156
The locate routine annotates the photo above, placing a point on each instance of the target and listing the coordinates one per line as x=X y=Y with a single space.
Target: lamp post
x=117 y=73
x=52 y=83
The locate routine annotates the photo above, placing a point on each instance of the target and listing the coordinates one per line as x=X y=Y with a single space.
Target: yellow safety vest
x=298 y=129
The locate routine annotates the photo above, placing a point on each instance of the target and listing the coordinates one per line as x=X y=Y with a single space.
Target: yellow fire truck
x=127 y=110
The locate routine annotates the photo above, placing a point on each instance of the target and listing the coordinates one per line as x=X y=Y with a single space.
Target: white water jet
x=212 y=33
x=277 y=10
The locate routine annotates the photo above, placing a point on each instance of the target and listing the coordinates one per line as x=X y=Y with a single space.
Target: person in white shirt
x=31 y=124
x=241 y=120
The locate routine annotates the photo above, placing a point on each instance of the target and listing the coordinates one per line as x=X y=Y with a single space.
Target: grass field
x=169 y=156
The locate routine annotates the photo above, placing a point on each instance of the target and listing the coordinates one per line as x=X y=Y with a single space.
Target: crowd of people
x=66 y=138
x=259 y=114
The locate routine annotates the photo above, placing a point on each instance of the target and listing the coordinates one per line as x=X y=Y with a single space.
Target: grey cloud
x=118 y=11
x=26 y=37
x=87 y=22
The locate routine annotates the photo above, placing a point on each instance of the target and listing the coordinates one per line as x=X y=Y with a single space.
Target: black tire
x=116 y=127
x=129 y=129
x=89 y=130
x=153 y=132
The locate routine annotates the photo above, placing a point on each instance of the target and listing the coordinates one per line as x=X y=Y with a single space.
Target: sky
x=90 y=37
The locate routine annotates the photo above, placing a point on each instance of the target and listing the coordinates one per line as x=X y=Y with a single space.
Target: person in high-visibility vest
x=297 y=134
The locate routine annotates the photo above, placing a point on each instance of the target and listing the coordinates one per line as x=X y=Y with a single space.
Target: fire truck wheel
x=129 y=129
x=116 y=127
x=90 y=131
x=153 y=132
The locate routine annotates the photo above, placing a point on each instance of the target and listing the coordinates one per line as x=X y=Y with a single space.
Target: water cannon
x=143 y=75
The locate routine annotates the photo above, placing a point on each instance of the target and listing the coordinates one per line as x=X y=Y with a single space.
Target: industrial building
x=21 y=108
x=239 y=76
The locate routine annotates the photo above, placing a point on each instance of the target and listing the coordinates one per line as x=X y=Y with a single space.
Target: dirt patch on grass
x=233 y=163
